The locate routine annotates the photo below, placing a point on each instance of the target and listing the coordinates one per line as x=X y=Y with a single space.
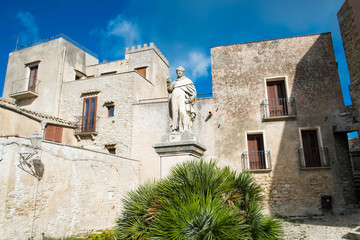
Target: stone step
x=354 y=234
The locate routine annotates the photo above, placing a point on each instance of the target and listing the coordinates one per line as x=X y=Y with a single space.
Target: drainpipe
x=43 y=126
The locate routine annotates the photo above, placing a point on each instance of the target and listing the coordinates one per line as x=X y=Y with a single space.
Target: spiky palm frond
x=137 y=214
x=198 y=201
x=198 y=216
x=246 y=184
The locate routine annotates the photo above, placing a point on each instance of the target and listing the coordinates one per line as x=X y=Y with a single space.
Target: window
x=311 y=150
x=111 y=109
x=108 y=73
x=256 y=153
x=89 y=115
x=53 y=133
x=112 y=150
x=141 y=71
x=277 y=98
x=32 y=77
x=277 y=105
x=111 y=147
x=79 y=75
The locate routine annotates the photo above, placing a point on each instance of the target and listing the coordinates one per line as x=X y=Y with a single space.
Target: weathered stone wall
x=16 y=122
x=80 y=190
x=343 y=177
x=13 y=123
x=96 y=70
x=57 y=60
x=354 y=147
x=50 y=55
x=349 y=21
x=157 y=68
x=307 y=64
x=117 y=88
x=151 y=121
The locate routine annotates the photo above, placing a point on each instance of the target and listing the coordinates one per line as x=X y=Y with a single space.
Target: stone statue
x=181 y=104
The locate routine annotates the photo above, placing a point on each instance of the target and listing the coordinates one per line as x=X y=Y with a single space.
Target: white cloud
x=122 y=28
x=196 y=65
x=31 y=31
x=199 y=64
x=116 y=35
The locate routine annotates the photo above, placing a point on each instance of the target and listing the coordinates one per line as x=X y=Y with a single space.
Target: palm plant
x=198 y=201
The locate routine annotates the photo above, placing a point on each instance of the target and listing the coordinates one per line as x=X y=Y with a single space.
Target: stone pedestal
x=177 y=148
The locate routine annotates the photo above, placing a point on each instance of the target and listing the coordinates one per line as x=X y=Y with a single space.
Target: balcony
x=86 y=127
x=281 y=108
x=314 y=157
x=256 y=160
x=20 y=89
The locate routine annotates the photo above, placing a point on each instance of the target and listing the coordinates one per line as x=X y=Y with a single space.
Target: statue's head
x=180 y=71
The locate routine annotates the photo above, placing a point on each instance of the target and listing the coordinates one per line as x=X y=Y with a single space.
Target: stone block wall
x=307 y=66
x=80 y=191
x=151 y=121
x=117 y=88
x=349 y=22
x=56 y=61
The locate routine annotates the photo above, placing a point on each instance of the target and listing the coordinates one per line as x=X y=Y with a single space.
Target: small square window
x=111 y=110
x=141 y=71
x=79 y=75
x=112 y=150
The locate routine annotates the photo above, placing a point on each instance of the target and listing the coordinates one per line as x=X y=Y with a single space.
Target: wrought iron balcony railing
x=281 y=107
x=256 y=160
x=86 y=125
x=314 y=157
x=20 y=89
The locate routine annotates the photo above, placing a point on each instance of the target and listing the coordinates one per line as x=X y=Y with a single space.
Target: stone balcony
x=20 y=89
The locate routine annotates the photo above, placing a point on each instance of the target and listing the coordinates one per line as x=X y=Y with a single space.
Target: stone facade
x=127 y=101
x=349 y=21
x=80 y=190
x=306 y=65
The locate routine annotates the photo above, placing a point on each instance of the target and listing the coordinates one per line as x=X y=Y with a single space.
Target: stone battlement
x=145 y=47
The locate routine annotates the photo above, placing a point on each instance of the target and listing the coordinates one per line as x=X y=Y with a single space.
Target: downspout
x=43 y=126
x=61 y=79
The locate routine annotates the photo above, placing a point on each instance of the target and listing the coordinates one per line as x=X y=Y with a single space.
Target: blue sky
x=184 y=30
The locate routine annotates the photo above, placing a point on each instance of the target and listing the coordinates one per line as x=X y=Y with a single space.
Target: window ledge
x=259 y=170
x=23 y=95
x=86 y=134
x=279 y=118
x=314 y=168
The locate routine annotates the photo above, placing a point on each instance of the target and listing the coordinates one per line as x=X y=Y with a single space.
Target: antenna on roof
x=17 y=41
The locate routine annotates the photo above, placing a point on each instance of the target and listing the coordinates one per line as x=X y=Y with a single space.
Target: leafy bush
x=102 y=235
x=198 y=201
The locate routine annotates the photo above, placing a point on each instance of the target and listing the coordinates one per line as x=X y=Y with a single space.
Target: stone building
x=349 y=22
x=276 y=110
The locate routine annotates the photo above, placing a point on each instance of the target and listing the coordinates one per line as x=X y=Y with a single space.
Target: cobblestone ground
x=329 y=227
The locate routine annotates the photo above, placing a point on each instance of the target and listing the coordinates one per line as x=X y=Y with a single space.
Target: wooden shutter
x=277 y=98
x=256 y=151
x=58 y=134
x=53 y=133
x=311 y=148
x=89 y=115
x=32 y=78
x=142 y=71
x=50 y=132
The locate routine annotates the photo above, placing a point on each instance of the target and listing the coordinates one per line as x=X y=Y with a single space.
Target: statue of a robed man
x=181 y=104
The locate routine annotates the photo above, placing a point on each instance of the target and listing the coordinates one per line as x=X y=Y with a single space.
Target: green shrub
x=102 y=235
x=198 y=201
